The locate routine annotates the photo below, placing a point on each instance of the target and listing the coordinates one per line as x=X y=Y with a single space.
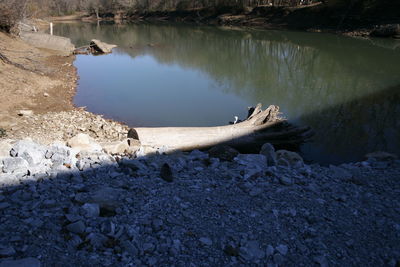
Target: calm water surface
x=347 y=90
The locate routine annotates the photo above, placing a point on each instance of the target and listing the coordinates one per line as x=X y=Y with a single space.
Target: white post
x=51 y=28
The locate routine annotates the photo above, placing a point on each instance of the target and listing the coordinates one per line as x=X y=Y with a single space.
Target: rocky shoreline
x=78 y=205
x=76 y=191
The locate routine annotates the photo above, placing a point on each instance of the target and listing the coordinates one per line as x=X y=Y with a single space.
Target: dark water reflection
x=348 y=90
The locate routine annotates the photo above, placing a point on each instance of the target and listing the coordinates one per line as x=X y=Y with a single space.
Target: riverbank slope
x=79 y=205
x=38 y=86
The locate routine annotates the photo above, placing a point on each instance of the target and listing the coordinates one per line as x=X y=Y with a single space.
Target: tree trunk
x=260 y=127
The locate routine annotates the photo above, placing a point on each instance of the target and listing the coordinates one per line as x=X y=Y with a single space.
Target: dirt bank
x=44 y=83
x=47 y=83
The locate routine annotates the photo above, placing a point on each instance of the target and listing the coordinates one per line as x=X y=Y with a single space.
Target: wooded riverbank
x=350 y=20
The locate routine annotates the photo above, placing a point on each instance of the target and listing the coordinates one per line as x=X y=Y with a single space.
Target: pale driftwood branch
x=259 y=128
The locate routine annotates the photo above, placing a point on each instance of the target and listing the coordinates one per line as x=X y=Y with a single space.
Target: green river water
x=346 y=89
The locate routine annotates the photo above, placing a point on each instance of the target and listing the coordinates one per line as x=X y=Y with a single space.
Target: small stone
x=76 y=227
x=75 y=241
x=166 y=173
x=251 y=251
x=321 y=260
x=268 y=151
x=25 y=112
x=45 y=94
x=205 y=241
x=97 y=240
x=27 y=262
x=72 y=217
x=270 y=250
x=157 y=225
x=108 y=198
x=278 y=259
x=91 y=210
x=231 y=251
x=282 y=249
x=148 y=247
x=256 y=191
x=284 y=180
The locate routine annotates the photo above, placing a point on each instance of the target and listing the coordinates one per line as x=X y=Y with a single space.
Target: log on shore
x=99 y=47
x=260 y=127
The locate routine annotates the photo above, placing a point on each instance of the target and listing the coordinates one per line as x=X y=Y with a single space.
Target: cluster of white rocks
x=85 y=203
x=65 y=125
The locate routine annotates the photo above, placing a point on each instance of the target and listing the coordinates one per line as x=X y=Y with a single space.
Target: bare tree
x=11 y=11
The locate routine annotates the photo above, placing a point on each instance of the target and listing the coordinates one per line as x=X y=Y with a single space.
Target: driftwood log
x=95 y=47
x=99 y=47
x=260 y=127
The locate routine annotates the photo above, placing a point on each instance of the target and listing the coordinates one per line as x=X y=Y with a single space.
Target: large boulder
x=289 y=159
x=268 y=151
x=83 y=142
x=15 y=165
x=61 y=155
x=129 y=146
x=32 y=152
x=60 y=44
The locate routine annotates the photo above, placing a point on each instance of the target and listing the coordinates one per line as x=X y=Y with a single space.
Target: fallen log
x=99 y=47
x=260 y=127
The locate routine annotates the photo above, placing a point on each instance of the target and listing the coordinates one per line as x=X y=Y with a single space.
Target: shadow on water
x=346 y=89
x=348 y=131
x=348 y=125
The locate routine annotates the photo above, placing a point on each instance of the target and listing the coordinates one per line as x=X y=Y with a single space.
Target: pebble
x=282 y=249
x=284 y=180
x=270 y=250
x=76 y=227
x=91 y=210
x=205 y=241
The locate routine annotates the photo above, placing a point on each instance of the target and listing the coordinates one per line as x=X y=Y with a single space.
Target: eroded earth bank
x=76 y=192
